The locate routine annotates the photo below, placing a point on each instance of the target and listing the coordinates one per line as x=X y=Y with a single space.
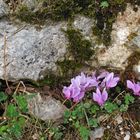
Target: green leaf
x=84 y=133
x=118 y=89
x=21 y=121
x=67 y=114
x=58 y=136
x=104 y=4
x=94 y=109
x=12 y=111
x=22 y=103
x=3 y=96
x=78 y=113
x=77 y=124
x=3 y=129
x=93 y=122
x=128 y=99
x=16 y=130
x=110 y=107
x=87 y=105
x=123 y=108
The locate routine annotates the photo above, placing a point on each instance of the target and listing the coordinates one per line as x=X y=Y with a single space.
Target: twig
x=118 y=96
x=64 y=101
x=131 y=122
x=18 y=87
x=73 y=105
x=86 y=117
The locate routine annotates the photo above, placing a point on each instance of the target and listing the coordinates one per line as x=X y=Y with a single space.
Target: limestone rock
x=117 y=54
x=30 y=52
x=46 y=109
x=84 y=24
x=4 y=10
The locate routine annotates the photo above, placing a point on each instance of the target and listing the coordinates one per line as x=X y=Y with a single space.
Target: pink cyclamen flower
x=73 y=92
x=99 y=97
x=134 y=86
x=110 y=81
x=79 y=85
x=84 y=82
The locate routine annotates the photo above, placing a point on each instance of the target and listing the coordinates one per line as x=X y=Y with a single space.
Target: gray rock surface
x=97 y=133
x=46 y=109
x=84 y=24
x=30 y=52
x=4 y=10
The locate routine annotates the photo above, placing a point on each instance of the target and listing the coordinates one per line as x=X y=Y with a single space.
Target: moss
x=25 y=14
x=79 y=47
x=80 y=50
x=68 y=67
x=52 y=80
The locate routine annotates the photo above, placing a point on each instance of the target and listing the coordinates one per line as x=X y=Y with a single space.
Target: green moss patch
x=79 y=48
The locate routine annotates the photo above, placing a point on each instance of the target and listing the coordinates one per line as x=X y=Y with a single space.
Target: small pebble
x=108 y=127
x=138 y=135
x=121 y=128
x=97 y=133
x=127 y=137
x=119 y=119
x=122 y=132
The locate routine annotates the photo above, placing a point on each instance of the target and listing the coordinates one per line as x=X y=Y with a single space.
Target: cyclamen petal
x=79 y=97
x=109 y=76
x=104 y=95
x=137 y=88
x=99 y=97
x=67 y=92
x=130 y=85
x=134 y=86
x=111 y=81
x=103 y=75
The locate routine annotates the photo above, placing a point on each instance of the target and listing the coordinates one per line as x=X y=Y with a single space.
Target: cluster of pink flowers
x=79 y=85
x=101 y=83
x=83 y=83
